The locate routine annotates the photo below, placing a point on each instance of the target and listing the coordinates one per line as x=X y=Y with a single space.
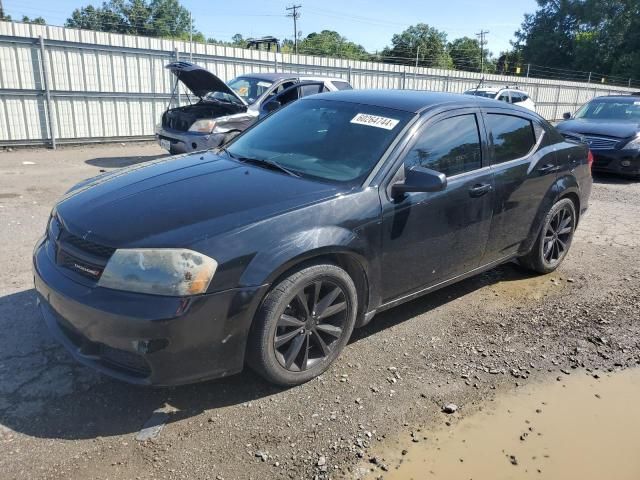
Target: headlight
x=634 y=144
x=172 y=272
x=205 y=125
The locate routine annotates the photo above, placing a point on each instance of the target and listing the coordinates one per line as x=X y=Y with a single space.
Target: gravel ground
x=460 y=345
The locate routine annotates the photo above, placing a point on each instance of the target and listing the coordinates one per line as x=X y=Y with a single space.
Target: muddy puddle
x=577 y=427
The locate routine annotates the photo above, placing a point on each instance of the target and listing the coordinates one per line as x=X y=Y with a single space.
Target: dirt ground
x=462 y=345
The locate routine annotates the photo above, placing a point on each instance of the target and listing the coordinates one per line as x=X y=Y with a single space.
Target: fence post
x=175 y=50
x=45 y=80
x=349 y=74
x=555 y=111
x=446 y=83
x=275 y=62
x=589 y=79
x=528 y=68
x=404 y=79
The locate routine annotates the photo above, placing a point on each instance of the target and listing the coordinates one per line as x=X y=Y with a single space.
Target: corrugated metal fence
x=60 y=85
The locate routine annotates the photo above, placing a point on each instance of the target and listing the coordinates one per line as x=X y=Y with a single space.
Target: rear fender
x=563 y=185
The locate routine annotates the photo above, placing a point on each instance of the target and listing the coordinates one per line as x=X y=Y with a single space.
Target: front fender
x=271 y=263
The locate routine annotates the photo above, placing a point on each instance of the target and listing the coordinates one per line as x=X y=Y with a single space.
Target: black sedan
x=611 y=127
x=272 y=250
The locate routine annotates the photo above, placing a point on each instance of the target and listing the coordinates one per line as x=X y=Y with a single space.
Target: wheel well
x=576 y=202
x=349 y=264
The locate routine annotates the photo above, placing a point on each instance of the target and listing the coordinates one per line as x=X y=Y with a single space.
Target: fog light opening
x=625 y=163
x=150 y=346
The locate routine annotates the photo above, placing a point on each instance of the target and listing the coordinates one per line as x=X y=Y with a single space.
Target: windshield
x=481 y=93
x=324 y=139
x=619 y=109
x=248 y=88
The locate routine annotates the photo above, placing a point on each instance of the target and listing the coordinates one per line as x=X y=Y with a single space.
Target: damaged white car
x=217 y=111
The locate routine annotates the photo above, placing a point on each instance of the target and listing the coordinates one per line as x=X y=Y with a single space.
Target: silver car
x=218 y=111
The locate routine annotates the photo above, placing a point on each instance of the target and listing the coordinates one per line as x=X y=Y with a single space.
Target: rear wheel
x=554 y=239
x=303 y=324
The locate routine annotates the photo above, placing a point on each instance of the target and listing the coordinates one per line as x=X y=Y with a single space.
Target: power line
x=481 y=35
x=295 y=14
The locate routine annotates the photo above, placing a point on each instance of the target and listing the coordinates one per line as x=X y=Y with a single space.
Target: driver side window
x=450 y=146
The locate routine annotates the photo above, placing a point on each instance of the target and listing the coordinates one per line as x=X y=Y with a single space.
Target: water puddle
x=577 y=427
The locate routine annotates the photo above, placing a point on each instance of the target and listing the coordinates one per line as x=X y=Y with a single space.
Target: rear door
x=431 y=237
x=525 y=169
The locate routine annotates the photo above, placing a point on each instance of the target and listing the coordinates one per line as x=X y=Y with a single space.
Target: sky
x=369 y=23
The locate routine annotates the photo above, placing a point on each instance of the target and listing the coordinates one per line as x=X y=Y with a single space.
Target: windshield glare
x=323 y=139
x=622 y=109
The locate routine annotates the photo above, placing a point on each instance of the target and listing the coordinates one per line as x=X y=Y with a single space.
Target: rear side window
x=513 y=137
x=450 y=146
x=516 y=97
x=307 y=90
x=342 y=85
x=504 y=97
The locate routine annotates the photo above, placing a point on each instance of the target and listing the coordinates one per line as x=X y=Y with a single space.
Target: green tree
x=600 y=36
x=423 y=41
x=466 y=53
x=331 y=44
x=155 y=18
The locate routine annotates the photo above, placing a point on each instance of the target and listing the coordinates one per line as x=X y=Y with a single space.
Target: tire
x=554 y=240
x=302 y=325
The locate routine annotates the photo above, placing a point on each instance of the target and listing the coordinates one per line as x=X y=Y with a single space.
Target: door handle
x=480 y=189
x=548 y=168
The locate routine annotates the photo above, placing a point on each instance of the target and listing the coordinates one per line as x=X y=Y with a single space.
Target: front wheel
x=303 y=324
x=554 y=239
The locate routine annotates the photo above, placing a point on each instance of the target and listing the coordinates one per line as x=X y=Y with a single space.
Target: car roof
x=414 y=101
x=275 y=77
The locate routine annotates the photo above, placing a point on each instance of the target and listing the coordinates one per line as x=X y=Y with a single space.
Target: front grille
x=79 y=255
x=78 y=265
x=175 y=121
x=600 y=161
x=87 y=246
x=601 y=143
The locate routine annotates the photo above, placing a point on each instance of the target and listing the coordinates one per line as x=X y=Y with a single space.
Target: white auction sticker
x=375 y=121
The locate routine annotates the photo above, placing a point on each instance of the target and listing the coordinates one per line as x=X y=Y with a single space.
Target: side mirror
x=566 y=115
x=271 y=106
x=420 y=179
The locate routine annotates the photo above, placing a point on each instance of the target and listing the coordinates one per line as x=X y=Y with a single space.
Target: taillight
x=590 y=159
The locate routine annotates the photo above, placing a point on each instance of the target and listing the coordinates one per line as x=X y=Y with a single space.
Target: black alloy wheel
x=554 y=239
x=311 y=325
x=557 y=236
x=303 y=324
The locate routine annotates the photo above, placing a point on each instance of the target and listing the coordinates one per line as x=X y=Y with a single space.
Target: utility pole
x=190 y=37
x=481 y=35
x=417 y=54
x=1 y=11
x=295 y=14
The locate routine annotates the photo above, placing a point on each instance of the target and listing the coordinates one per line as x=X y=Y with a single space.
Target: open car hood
x=200 y=80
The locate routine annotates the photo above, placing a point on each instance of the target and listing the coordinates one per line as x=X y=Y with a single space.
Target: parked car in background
x=507 y=94
x=611 y=127
x=221 y=111
x=273 y=248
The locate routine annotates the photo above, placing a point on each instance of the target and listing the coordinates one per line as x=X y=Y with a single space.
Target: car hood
x=200 y=80
x=606 y=128
x=177 y=201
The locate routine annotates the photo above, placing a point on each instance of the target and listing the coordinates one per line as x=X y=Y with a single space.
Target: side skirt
x=407 y=298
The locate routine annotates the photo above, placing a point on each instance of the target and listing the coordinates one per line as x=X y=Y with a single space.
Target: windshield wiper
x=272 y=164
x=260 y=161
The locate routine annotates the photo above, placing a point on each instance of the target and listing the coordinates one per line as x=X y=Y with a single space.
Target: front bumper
x=185 y=142
x=625 y=162
x=146 y=339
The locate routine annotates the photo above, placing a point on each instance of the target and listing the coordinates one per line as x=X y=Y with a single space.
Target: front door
x=429 y=238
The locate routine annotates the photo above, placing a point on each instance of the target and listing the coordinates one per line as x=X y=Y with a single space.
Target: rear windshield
x=324 y=139
x=621 y=109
